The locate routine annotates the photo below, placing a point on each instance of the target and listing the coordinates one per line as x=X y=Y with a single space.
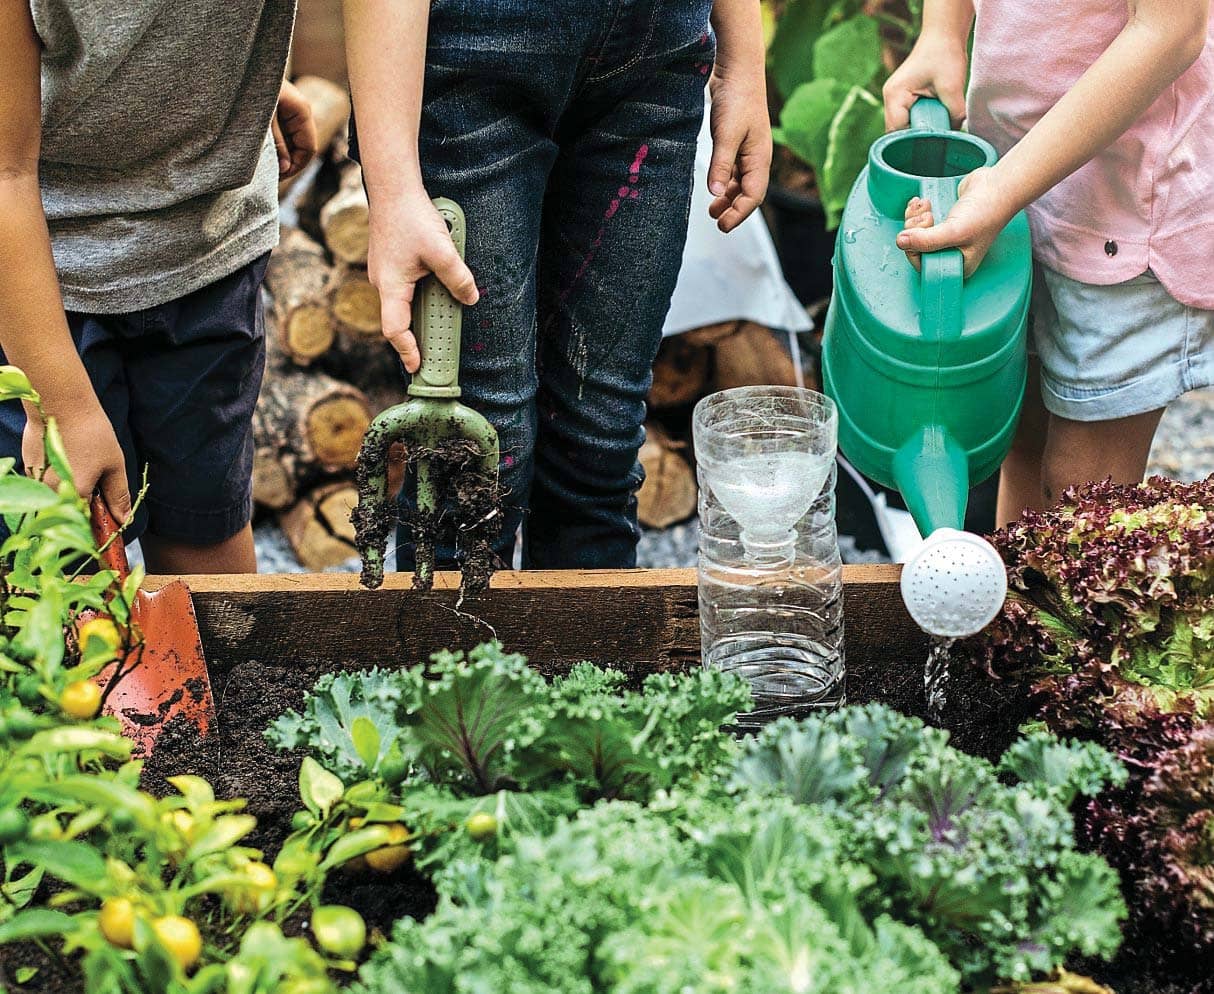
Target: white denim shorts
x=1111 y=352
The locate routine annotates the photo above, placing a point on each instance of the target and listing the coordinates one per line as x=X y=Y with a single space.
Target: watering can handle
x=942 y=273
x=930 y=114
x=437 y=320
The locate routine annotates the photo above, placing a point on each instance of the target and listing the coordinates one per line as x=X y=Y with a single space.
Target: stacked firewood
x=329 y=369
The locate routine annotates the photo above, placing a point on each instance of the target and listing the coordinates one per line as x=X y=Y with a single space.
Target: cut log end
x=335 y=427
x=318 y=528
x=347 y=234
x=356 y=306
x=309 y=332
x=273 y=487
x=669 y=493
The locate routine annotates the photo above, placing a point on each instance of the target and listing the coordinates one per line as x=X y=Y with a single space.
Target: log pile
x=329 y=370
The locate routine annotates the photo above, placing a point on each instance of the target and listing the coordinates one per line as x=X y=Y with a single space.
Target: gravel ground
x=1184 y=449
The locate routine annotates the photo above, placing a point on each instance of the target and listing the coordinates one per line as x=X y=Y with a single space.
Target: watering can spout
x=932 y=472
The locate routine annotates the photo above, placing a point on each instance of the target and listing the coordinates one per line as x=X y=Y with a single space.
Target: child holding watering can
x=566 y=130
x=1103 y=114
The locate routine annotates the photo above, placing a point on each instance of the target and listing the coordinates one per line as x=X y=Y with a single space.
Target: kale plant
x=988 y=870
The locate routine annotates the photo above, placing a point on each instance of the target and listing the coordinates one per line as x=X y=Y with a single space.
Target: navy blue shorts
x=179 y=382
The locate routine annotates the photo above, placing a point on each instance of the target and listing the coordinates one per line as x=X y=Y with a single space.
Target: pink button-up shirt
x=1146 y=201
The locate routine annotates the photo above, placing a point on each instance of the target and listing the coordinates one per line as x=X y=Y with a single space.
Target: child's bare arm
x=936 y=65
x=386 y=53
x=741 y=130
x=1160 y=41
x=33 y=329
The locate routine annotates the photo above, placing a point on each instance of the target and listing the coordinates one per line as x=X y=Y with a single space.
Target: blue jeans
x=566 y=130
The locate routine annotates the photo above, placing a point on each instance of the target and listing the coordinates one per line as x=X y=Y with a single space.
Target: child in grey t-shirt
x=138 y=202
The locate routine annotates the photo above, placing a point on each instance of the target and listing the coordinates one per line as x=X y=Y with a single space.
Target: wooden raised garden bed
x=268 y=638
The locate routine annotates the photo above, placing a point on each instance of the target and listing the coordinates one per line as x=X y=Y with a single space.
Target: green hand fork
x=431 y=416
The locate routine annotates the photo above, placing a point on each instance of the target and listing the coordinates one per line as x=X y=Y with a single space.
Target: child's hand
x=972 y=225
x=97 y=461
x=936 y=67
x=294 y=132
x=741 y=143
x=410 y=240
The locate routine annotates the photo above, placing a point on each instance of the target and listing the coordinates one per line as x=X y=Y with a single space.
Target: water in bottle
x=770 y=577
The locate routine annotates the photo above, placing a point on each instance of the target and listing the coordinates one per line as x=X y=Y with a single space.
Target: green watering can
x=927 y=368
x=432 y=415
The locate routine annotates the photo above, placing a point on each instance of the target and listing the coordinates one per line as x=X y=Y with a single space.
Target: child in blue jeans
x=566 y=130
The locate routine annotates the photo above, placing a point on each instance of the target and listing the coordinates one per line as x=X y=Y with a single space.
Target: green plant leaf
x=79 y=738
x=366 y=740
x=356 y=843
x=318 y=788
x=23 y=495
x=221 y=834
x=75 y=863
x=15 y=385
x=790 y=57
x=195 y=790
x=850 y=52
x=56 y=457
x=859 y=122
x=806 y=118
x=36 y=923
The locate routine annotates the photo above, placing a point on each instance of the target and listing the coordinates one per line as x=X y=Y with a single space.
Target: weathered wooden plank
x=640 y=621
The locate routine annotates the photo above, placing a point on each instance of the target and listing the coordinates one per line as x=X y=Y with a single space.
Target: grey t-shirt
x=158 y=173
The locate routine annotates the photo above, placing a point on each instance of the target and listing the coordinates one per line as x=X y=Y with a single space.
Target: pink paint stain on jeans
x=623 y=194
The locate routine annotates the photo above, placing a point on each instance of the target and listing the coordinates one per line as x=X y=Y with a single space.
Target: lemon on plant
x=481 y=825
x=80 y=699
x=181 y=938
x=390 y=858
x=103 y=629
x=255 y=893
x=117 y=922
x=339 y=931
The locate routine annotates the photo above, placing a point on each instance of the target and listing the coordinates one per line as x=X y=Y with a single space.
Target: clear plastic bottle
x=770 y=576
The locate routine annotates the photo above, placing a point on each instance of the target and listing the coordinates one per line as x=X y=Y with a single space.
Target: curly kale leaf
x=350 y=721
x=976 y=863
x=624 y=745
x=619 y=900
x=1073 y=769
x=474 y=713
x=811 y=762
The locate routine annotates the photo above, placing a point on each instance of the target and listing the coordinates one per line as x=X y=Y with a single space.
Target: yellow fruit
x=180 y=937
x=357 y=823
x=262 y=882
x=103 y=629
x=397 y=834
x=183 y=823
x=389 y=859
x=481 y=825
x=117 y=922
x=80 y=699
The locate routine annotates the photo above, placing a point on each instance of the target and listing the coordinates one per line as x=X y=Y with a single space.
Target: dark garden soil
x=53 y=974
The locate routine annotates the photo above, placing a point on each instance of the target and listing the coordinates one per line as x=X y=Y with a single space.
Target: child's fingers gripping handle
x=942 y=273
x=437 y=321
x=108 y=538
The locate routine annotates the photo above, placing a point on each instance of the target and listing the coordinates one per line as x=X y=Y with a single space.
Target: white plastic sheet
x=734 y=277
